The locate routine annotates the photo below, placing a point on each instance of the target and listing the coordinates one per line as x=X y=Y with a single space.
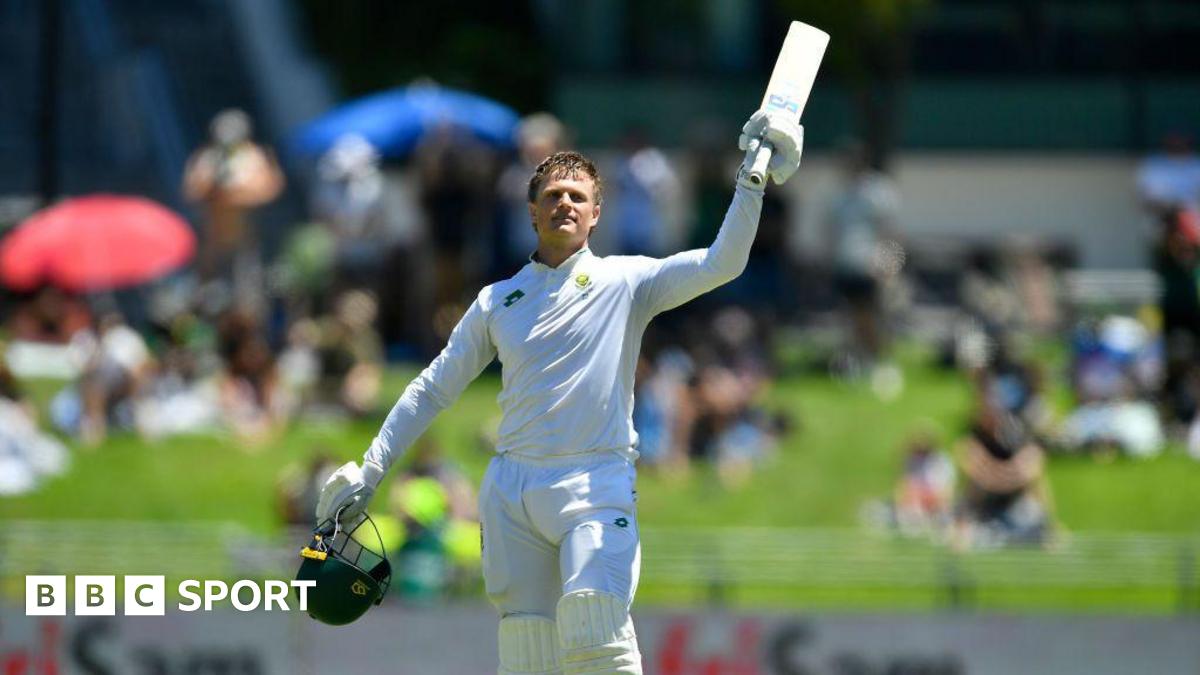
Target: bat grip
x=758 y=167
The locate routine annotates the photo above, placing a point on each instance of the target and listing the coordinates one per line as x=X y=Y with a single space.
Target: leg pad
x=597 y=634
x=528 y=645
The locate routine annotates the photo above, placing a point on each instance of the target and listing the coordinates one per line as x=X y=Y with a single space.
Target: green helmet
x=351 y=576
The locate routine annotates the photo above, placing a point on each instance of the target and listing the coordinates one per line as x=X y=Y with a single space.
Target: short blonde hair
x=563 y=164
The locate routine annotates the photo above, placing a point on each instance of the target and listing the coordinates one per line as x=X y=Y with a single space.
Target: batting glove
x=784 y=135
x=348 y=490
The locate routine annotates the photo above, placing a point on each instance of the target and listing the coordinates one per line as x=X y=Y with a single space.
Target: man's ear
x=595 y=216
x=532 y=216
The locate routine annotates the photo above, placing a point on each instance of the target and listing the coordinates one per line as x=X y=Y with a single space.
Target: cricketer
x=561 y=551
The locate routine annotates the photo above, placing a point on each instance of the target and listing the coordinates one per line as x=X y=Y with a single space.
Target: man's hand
x=348 y=490
x=786 y=138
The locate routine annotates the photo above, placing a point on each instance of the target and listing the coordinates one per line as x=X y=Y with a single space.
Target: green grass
x=846 y=449
x=1156 y=600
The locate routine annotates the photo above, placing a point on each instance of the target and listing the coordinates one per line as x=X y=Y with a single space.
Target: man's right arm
x=466 y=354
x=666 y=283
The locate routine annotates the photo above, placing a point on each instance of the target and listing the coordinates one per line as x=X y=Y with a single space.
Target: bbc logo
x=95 y=595
x=146 y=595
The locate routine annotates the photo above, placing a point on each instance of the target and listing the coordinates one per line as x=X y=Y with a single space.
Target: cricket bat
x=791 y=82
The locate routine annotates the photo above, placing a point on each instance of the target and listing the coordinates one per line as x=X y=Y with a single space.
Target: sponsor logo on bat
x=777 y=101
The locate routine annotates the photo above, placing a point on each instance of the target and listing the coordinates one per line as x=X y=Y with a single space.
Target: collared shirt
x=568 y=339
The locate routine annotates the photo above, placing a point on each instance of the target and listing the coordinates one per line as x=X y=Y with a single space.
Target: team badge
x=582 y=281
x=358 y=588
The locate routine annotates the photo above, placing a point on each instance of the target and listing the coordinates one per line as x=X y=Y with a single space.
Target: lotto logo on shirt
x=146 y=595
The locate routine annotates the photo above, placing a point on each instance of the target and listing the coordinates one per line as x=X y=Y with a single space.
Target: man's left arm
x=669 y=282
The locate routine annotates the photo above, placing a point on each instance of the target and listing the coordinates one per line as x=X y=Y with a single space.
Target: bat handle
x=758 y=167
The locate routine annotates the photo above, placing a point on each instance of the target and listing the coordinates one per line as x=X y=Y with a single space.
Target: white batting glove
x=348 y=490
x=786 y=137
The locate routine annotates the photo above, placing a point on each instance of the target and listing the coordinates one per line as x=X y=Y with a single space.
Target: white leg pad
x=597 y=635
x=528 y=644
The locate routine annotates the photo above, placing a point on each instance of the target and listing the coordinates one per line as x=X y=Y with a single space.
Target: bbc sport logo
x=146 y=595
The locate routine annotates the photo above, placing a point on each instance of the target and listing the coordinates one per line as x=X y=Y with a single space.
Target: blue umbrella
x=394 y=121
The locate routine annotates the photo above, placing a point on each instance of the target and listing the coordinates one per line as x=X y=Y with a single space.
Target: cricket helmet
x=350 y=568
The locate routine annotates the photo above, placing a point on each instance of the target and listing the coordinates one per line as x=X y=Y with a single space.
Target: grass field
x=845 y=450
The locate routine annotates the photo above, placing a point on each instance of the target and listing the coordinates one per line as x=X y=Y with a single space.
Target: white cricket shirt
x=568 y=339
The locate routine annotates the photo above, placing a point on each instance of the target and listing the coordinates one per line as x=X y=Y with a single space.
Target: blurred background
x=946 y=421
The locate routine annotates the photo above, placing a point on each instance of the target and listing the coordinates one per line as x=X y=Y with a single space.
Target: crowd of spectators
x=235 y=344
x=1131 y=379
x=700 y=397
x=243 y=343
x=990 y=487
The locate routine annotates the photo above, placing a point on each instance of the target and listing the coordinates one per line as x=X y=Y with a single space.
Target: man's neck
x=552 y=256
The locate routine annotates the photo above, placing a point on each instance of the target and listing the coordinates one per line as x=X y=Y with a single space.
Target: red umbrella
x=95 y=243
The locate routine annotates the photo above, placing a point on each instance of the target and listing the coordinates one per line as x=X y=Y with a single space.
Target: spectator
x=1033 y=278
x=989 y=296
x=659 y=388
x=27 y=456
x=456 y=177
x=539 y=136
x=117 y=365
x=230 y=176
x=305 y=271
x=10 y=389
x=646 y=190
x=711 y=166
x=766 y=287
x=1177 y=262
x=350 y=355
x=1006 y=498
x=352 y=200
x=1016 y=385
x=50 y=315
x=252 y=401
x=300 y=365
x=736 y=339
x=1113 y=373
x=179 y=397
x=864 y=252
x=708 y=412
x=924 y=496
x=369 y=236
x=725 y=428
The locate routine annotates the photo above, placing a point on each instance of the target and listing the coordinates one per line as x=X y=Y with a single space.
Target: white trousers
x=556 y=525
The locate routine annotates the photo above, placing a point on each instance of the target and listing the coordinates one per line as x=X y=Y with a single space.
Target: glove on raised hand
x=786 y=138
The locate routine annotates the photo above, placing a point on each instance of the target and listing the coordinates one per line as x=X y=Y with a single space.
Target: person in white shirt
x=561 y=552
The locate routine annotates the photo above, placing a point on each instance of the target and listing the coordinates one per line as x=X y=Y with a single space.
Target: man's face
x=565 y=210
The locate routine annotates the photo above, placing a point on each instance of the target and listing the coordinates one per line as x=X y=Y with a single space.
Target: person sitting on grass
x=1006 y=498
